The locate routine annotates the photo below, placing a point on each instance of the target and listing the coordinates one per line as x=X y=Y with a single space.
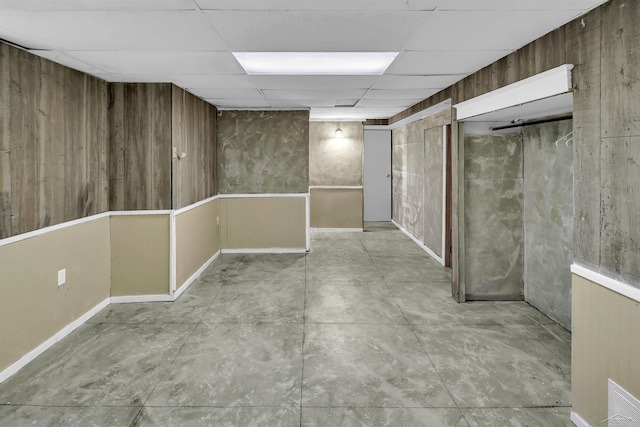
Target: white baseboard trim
x=337 y=230
x=419 y=243
x=142 y=298
x=24 y=360
x=265 y=251
x=194 y=276
x=578 y=420
x=607 y=282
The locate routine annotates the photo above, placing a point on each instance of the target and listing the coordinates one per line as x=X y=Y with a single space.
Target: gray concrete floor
x=360 y=332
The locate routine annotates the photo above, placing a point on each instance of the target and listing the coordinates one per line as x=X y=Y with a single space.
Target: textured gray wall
x=335 y=161
x=263 y=152
x=433 y=189
x=548 y=219
x=493 y=216
x=408 y=177
x=417 y=164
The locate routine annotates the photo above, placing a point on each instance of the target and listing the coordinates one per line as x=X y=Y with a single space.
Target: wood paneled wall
x=140 y=146
x=52 y=169
x=194 y=133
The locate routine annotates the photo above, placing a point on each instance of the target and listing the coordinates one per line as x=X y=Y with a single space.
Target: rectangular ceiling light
x=315 y=63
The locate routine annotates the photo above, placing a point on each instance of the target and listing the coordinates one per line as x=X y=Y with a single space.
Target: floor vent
x=624 y=409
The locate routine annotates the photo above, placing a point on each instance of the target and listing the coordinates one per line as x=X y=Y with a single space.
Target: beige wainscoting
x=338 y=207
x=140 y=246
x=197 y=239
x=32 y=307
x=605 y=344
x=263 y=223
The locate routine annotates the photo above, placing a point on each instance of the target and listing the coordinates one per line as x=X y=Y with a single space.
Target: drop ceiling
x=190 y=43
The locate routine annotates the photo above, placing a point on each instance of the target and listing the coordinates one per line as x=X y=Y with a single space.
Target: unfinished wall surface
x=548 y=219
x=407 y=160
x=418 y=181
x=433 y=188
x=263 y=152
x=493 y=216
x=335 y=161
x=52 y=168
x=193 y=129
x=33 y=308
x=140 y=146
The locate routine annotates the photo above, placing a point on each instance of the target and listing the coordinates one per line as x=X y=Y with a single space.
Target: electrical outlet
x=217 y=220
x=62 y=277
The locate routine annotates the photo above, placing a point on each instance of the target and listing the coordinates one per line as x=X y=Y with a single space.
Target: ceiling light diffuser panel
x=315 y=63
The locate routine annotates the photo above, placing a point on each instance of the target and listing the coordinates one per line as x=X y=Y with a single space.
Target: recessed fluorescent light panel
x=315 y=63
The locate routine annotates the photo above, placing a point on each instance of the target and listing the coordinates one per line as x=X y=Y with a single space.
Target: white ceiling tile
x=207 y=81
x=50 y=5
x=116 y=30
x=416 y=82
x=441 y=62
x=171 y=41
x=385 y=103
x=400 y=93
x=351 y=113
x=315 y=31
x=22 y=40
x=227 y=93
x=307 y=103
x=337 y=5
x=334 y=94
x=161 y=62
x=484 y=30
x=518 y=4
x=238 y=103
x=68 y=61
x=313 y=82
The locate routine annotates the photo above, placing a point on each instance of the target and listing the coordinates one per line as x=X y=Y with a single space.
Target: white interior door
x=377 y=175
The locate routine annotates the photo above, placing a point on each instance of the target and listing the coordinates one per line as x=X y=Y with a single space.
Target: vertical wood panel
x=620 y=69
x=194 y=133
x=53 y=156
x=583 y=46
x=140 y=146
x=52 y=150
x=620 y=248
x=23 y=134
x=5 y=142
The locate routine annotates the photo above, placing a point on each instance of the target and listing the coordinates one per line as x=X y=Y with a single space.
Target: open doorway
x=518 y=205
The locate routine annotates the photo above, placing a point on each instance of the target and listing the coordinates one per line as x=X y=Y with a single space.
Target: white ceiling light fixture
x=339 y=133
x=315 y=63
